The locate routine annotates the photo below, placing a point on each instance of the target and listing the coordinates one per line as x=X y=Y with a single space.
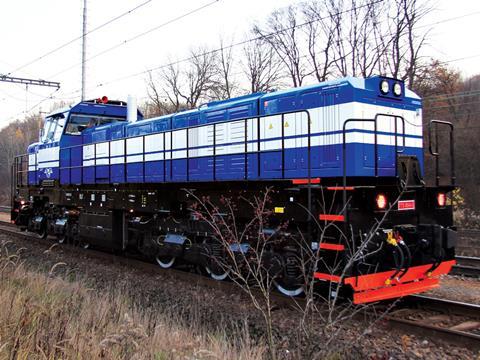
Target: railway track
x=441 y=320
x=421 y=327
x=5 y=209
x=467 y=266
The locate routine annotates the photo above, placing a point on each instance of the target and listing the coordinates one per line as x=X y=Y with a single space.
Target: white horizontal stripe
x=88 y=152
x=32 y=159
x=102 y=149
x=154 y=143
x=49 y=154
x=135 y=145
x=117 y=147
x=102 y=162
x=323 y=119
x=153 y=157
x=179 y=154
x=134 y=158
x=49 y=164
x=88 y=162
x=118 y=160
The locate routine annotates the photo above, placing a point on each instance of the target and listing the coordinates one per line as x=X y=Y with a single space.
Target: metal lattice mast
x=17 y=80
x=84 y=46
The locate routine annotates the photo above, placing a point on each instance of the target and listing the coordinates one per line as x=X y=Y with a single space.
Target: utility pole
x=84 y=46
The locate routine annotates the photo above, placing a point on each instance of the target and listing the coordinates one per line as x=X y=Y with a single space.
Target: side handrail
x=436 y=153
x=374 y=120
x=344 y=152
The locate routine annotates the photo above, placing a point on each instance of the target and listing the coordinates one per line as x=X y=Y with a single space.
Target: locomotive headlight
x=384 y=87
x=381 y=201
x=397 y=89
x=441 y=199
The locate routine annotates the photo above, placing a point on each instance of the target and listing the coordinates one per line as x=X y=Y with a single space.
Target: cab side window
x=78 y=123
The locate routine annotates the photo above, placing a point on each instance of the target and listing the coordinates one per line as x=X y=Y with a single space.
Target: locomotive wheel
x=217 y=274
x=42 y=234
x=288 y=282
x=288 y=290
x=165 y=262
x=213 y=252
x=61 y=239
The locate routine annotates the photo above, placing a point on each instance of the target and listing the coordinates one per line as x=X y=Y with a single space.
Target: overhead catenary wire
x=243 y=42
x=257 y=38
x=131 y=39
x=453 y=95
x=455 y=18
x=26 y=111
x=267 y=35
x=50 y=52
x=191 y=12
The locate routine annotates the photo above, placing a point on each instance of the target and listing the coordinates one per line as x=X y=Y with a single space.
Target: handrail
x=344 y=147
x=436 y=153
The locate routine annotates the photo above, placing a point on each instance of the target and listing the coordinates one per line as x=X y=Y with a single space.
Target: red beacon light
x=381 y=201
x=441 y=199
x=102 y=100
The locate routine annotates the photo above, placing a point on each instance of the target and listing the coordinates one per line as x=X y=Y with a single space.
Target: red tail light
x=381 y=201
x=441 y=199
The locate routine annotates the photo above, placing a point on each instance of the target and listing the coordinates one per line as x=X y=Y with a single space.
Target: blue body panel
x=289 y=163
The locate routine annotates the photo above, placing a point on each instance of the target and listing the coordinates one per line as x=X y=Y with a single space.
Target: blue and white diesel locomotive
x=101 y=174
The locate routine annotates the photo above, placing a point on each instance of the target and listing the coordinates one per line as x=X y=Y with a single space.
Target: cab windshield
x=53 y=128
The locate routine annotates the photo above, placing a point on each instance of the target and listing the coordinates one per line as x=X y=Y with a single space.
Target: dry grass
x=46 y=317
x=466 y=218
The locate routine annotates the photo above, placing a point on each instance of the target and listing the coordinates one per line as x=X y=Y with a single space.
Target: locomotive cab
x=61 y=137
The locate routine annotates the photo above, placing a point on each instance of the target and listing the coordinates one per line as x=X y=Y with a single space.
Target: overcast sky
x=31 y=28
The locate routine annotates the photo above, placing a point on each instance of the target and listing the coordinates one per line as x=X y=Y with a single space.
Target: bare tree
x=199 y=76
x=225 y=86
x=244 y=263
x=165 y=94
x=281 y=33
x=320 y=32
x=261 y=67
x=14 y=140
x=404 y=39
x=358 y=43
x=252 y=252
x=186 y=86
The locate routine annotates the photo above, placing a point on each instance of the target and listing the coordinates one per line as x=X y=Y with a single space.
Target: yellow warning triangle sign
x=286 y=124
x=270 y=127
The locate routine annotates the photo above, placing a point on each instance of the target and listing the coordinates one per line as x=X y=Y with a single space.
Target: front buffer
x=416 y=255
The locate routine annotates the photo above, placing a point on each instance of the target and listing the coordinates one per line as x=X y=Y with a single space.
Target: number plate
x=406 y=205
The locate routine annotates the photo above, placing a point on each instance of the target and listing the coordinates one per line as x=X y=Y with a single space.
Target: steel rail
x=467 y=266
x=436 y=334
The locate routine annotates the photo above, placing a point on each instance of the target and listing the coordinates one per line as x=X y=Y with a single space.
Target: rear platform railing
x=20 y=171
x=397 y=150
x=436 y=153
x=18 y=175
